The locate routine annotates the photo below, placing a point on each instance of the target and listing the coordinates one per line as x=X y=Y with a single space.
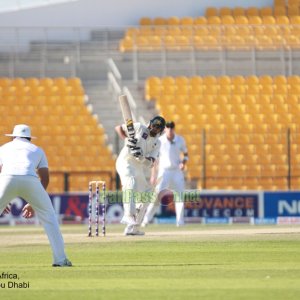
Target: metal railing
x=68 y=51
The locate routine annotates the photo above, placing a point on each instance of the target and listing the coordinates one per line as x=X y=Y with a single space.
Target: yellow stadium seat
x=238 y=80
x=209 y=80
x=174 y=31
x=154 y=42
x=265 y=79
x=173 y=21
x=281 y=89
x=268 y=20
x=200 y=21
x=279 y=2
x=183 y=42
x=214 y=20
x=238 y=89
x=211 y=12
x=141 y=43
x=279 y=11
x=271 y=31
x=264 y=42
x=186 y=21
x=201 y=31
x=225 y=11
x=252 y=11
x=159 y=21
x=294 y=87
x=224 y=80
x=206 y=42
x=252 y=80
x=254 y=20
x=132 y=32
x=293 y=10
x=195 y=80
x=241 y=20
x=60 y=81
x=145 y=31
x=126 y=44
x=237 y=42
x=32 y=82
x=243 y=31
x=292 y=41
x=277 y=41
x=295 y=20
x=169 y=42
x=293 y=2
x=227 y=20
x=145 y=21
x=225 y=90
x=160 y=31
x=266 y=11
x=238 y=11
x=187 y=31
x=167 y=81
x=5 y=82
x=182 y=81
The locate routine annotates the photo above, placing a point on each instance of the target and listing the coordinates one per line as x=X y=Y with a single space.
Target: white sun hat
x=21 y=130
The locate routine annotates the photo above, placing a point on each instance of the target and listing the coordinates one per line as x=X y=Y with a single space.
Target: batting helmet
x=158 y=122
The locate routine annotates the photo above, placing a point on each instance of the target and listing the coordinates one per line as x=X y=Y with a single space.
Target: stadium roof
x=14 y=5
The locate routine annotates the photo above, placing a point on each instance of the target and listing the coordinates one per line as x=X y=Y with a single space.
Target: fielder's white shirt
x=21 y=157
x=149 y=145
x=170 y=152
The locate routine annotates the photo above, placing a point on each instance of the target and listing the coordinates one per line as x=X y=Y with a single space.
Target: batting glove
x=137 y=152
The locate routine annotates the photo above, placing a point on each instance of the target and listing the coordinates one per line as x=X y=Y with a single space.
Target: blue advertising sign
x=282 y=204
x=73 y=205
x=214 y=204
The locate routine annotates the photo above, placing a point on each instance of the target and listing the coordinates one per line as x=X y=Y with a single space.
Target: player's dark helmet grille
x=158 y=122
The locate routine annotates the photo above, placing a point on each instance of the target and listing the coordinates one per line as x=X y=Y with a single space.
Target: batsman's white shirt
x=133 y=172
x=18 y=178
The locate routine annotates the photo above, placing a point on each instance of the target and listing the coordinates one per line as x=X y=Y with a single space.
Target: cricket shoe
x=133 y=230
x=128 y=220
x=65 y=263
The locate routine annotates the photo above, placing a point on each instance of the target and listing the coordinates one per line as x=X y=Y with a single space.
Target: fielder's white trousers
x=31 y=190
x=172 y=179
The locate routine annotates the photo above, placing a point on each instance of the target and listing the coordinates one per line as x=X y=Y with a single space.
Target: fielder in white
x=20 y=161
x=173 y=156
x=134 y=161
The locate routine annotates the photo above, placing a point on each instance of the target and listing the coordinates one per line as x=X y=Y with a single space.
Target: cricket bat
x=127 y=116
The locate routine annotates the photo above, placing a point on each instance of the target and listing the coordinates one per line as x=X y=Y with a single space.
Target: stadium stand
x=246 y=119
x=213 y=31
x=248 y=105
x=71 y=136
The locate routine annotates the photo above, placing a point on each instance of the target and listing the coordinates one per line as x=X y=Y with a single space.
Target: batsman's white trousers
x=172 y=179
x=31 y=190
x=133 y=179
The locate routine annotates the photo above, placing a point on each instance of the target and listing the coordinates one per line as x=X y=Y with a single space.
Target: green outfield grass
x=182 y=265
